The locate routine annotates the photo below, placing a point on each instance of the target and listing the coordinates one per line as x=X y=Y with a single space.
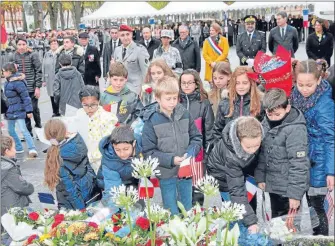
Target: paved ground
x=33 y=170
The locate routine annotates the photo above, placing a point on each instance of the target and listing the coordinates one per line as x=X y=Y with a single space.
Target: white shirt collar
x=252 y=33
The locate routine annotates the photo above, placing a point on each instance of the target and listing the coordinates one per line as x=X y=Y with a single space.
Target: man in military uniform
x=134 y=56
x=250 y=42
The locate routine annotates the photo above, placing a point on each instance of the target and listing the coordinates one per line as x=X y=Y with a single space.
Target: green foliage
x=158 y=5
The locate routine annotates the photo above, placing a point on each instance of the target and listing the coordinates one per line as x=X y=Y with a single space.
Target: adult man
x=149 y=42
x=28 y=62
x=134 y=56
x=284 y=35
x=196 y=32
x=299 y=25
x=168 y=53
x=92 y=61
x=264 y=25
x=189 y=50
x=110 y=44
x=75 y=51
x=250 y=42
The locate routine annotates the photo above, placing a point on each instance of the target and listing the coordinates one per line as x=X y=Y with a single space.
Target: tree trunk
x=78 y=10
x=36 y=22
x=25 y=26
x=62 y=22
x=53 y=13
x=12 y=18
x=67 y=18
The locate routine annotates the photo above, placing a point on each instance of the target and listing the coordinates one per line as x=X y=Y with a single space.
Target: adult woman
x=215 y=49
x=48 y=73
x=319 y=44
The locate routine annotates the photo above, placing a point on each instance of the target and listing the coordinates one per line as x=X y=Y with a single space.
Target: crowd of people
x=155 y=105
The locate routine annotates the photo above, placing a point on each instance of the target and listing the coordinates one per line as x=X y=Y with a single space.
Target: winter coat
x=165 y=137
x=153 y=44
x=331 y=79
x=15 y=191
x=77 y=184
x=171 y=57
x=48 y=71
x=283 y=163
x=190 y=54
x=200 y=110
x=92 y=66
x=30 y=65
x=320 y=49
x=319 y=114
x=241 y=108
x=210 y=55
x=77 y=58
x=113 y=170
x=68 y=83
x=19 y=102
x=127 y=104
x=230 y=165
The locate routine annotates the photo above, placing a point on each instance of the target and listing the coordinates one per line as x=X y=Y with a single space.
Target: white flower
x=208 y=185
x=232 y=237
x=157 y=213
x=231 y=211
x=279 y=231
x=124 y=197
x=145 y=168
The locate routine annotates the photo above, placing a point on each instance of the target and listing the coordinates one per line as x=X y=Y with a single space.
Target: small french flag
x=251 y=186
x=329 y=205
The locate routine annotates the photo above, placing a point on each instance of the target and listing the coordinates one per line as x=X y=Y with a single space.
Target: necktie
x=124 y=53
x=114 y=44
x=250 y=37
x=282 y=32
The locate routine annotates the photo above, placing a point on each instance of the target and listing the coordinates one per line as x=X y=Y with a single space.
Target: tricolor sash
x=215 y=46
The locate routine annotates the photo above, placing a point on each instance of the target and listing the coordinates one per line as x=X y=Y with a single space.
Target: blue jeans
x=23 y=128
x=170 y=187
x=225 y=196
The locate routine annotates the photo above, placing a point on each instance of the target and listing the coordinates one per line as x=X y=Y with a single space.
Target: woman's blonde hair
x=158 y=63
x=255 y=97
x=216 y=27
x=54 y=130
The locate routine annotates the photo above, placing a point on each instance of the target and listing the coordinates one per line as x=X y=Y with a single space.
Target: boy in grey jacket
x=283 y=166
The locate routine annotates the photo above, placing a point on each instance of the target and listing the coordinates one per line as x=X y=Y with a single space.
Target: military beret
x=83 y=35
x=250 y=18
x=125 y=28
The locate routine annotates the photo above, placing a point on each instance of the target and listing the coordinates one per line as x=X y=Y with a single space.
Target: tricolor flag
x=251 y=186
x=329 y=205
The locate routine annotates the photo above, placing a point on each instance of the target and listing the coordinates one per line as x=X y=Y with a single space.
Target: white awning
x=324 y=10
x=255 y=5
x=174 y=8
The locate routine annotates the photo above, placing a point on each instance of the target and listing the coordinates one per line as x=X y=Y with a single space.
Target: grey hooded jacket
x=283 y=163
x=14 y=189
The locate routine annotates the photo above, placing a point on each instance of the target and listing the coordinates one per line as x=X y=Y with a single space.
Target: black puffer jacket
x=30 y=65
x=230 y=165
x=241 y=108
x=200 y=109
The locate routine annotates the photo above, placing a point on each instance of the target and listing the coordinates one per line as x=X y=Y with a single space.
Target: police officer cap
x=83 y=35
x=125 y=28
x=250 y=18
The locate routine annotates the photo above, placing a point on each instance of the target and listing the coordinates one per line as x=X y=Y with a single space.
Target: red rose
x=158 y=242
x=33 y=216
x=117 y=124
x=116 y=218
x=46 y=210
x=31 y=239
x=116 y=228
x=83 y=210
x=107 y=107
x=142 y=222
x=56 y=223
x=148 y=90
x=59 y=217
x=93 y=224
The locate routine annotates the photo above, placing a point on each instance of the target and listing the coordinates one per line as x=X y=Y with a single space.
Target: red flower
x=46 y=210
x=107 y=107
x=158 y=242
x=116 y=228
x=33 y=216
x=59 y=217
x=31 y=239
x=56 y=223
x=148 y=90
x=160 y=223
x=116 y=218
x=83 y=210
x=142 y=222
x=93 y=224
x=117 y=124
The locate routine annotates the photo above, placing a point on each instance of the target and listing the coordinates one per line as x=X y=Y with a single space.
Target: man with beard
x=134 y=56
x=250 y=42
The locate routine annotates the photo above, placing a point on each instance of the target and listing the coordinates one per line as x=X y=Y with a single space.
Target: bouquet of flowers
x=273 y=71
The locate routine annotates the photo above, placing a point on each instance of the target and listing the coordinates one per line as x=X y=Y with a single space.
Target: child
x=233 y=158
x=221 y=76
x=117 y=151
x=100 y=124
x=67 y=168
x=312 y=95
x=170 y=134
x=68 y=82
x=19 y=107
x=117 y=98
x=283 y=163
x=156 y=71
x=243 y=99
x=195 y=99
x=15 y=190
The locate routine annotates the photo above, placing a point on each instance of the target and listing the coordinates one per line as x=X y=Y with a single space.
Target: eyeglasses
x=91 y=106
x=187 y=83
